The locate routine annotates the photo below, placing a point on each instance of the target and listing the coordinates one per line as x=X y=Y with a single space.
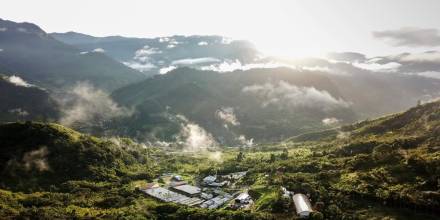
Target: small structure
x=216 y=184
x=177 y=183
x=302 y=205
x=206 y=196
x=188 y=190
x=150 y=186
x=286 y=193
x=177 y=178
x=209 y=179
x=235 y=176
x=216 y=201
x=243 y=198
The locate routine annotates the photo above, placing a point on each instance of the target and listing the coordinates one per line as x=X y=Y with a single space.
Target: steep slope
x=26 y=50
x=394 y=159
x=269 y=104
x=24 y=102
x=38 y=155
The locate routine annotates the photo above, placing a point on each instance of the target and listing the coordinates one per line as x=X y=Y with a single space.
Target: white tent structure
x=302 y=205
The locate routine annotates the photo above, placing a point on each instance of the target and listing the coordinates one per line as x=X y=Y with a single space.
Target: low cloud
x=325 y=69
x=378 y=67
x=432 y=56
x=140 y=66
x=99 y=50
x=194 y=61
x=3 y=29
x=19 y=112
x=16 y=80
x=330 y=121
x=202 y=43
x=193 y=137
x=165 y=70
x=142 y=60
x=86 y=105
x=227 y=115
x=284 y=94
x=230 y=66
x=245 y=142
x=36 y=159
x=410 y=37
x=347 y=57
x=430 y=74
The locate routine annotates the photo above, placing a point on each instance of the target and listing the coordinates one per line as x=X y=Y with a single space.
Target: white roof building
x=243 y=198
x=302 y=205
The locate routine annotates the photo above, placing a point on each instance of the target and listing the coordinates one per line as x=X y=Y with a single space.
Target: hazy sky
x=289 y=28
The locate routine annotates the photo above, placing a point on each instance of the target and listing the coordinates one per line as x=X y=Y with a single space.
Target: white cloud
x=99 y=50
x=227 y=115
x=330 y=121
x=84 y=52
x=140 y=66
x=422 y=57
x=172 y=43
x=19 y=112
x=143 y=54
x=230 y=66
x=226 y=40
x=193 y=61
x=377 y=67
x=203 y=43
x=1 y=50
x=36 y=159
x=164 y=39
x=165 y=70
x=16 y=80
x=196 y=138
x=325 y=69
x=3 y=29
x=286 y=95
x=193 y=137
x=86 y=105
x=245 y=142
x=430 y=74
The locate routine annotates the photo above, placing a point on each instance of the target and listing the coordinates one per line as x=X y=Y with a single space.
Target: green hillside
x=25 y=103
x=387 y=168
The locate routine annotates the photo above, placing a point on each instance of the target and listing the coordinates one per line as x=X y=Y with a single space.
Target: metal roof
x=188 y=189
x=302 y=204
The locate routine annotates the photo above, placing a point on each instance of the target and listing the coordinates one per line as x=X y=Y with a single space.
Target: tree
x=240 y=156
x=272 y=158
x=285 y=154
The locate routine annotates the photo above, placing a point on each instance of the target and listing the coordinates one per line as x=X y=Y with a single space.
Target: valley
x=362 y=176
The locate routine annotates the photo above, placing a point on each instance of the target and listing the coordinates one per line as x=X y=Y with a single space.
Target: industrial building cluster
x=214 y=191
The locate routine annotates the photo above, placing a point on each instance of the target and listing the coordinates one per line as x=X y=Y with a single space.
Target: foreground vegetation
x=388 y=168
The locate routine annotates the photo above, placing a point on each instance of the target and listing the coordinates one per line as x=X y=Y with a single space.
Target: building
x=177 y=178
x=187 y=190
x=216 y=201
x=243 y=198
x=209 y=179
x=177 y=183
x=302 y=205
x=166 y=195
